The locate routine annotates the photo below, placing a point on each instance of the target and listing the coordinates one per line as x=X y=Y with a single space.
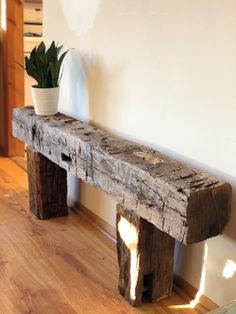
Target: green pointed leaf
x=59 y=49
x=60 y=73
x=61 y=60
x=41 y=48
x=52 y=53
x=54 y=74
x=33 y=56
x=32 y=70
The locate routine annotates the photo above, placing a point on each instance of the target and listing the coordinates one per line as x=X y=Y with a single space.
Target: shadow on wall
x=185 y=259
x=89 y=89
x=74 y=93
x=103 y=89
x=98 y=87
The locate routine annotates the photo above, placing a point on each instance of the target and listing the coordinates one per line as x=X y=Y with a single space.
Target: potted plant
x=44 y=66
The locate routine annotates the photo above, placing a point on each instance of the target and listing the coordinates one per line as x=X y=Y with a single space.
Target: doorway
x=20 y=31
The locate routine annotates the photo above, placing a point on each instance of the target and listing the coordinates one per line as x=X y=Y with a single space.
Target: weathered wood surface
x=145 y=258
x=186 y=203
x=47 y=186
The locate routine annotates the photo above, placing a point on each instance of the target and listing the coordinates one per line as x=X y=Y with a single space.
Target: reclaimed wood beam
x=145 y=258
x=47 y=186
x=186 y=203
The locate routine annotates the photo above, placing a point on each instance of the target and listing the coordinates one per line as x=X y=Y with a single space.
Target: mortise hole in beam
x=147 y=285
x=66 y=158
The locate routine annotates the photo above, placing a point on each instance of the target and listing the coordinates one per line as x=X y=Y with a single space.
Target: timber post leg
x=145 y=258
x=47 y=186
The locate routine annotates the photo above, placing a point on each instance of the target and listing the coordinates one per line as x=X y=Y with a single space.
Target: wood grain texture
x=186 y=203
x=59 y=266
x=13 y=74
x=47 y=186
x=145 y=257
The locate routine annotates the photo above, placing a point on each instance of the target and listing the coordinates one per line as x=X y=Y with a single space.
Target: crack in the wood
x=133 y=189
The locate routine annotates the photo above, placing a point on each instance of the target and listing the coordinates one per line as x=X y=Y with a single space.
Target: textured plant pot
x=45 y=100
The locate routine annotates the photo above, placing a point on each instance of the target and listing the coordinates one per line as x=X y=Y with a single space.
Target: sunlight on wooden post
x=145 y=257
x=129 y=235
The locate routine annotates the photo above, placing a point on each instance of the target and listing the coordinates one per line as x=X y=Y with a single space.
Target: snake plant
x=44 y=65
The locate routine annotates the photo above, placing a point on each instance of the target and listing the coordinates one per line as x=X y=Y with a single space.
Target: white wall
x=161 y=72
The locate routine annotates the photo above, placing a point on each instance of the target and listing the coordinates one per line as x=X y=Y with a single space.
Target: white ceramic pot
x=45 y=100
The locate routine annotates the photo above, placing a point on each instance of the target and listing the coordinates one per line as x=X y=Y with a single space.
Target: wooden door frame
x=13 y=74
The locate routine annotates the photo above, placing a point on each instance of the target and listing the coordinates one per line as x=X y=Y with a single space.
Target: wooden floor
x=58 y=266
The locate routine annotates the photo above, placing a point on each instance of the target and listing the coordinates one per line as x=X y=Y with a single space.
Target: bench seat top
x=188 y=204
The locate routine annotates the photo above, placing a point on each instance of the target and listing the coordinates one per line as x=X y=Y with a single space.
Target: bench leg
x=47 y=186
x=145 y=258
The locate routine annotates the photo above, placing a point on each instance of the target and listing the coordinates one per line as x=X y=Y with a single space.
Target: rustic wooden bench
x=159 y=199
